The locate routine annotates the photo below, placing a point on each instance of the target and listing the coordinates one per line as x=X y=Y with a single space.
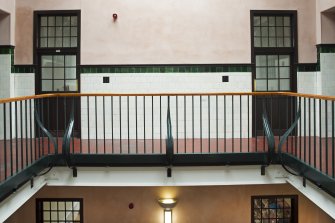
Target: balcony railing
x=131 y=129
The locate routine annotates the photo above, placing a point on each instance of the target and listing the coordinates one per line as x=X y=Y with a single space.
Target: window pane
x=265 y=31
x=70 y=73
x=73 y=41
x=285 y=85
x=61 y=205
x=61 y=215
x=287 y=42
x=272 y=42
x=59 y=85
x=46 y=61
x=73 y=20
x=261 y=85
x=73 y=31
x=59 y=73
x=257 y=21
x=66 y=21
x=54 y=216
x=51 y=42
x=279 y=21
x=257 y=42
x=287 y=31
x=46 y=205
x=59 y=61
x=66 y=42
x=46 y=85
x=272 y=60
x=70 y=61
x=261 y=60
x=257 y=31
x=273 y=72
x=264 y=21
x=272 y=21
x=51 y=31
x=273 y=85
x=51 y=20
x=265 y=42
x=272 y=31
x=66 y=31
x=284 y=60
x=59 y=20
x=76 y=206
x=44 y=32
x=59 y=42
x=261 y=72
x=44 y=21
x=69 y=205
x=279 y=31
x=59 y=31
x=44 y=42
x=46 y=215
x=280 y=42
x=76 y=216
x=284 y=72
x=287 y=21
x=46 y=73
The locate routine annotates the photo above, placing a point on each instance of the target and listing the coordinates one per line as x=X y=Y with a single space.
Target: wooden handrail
x=323 y=97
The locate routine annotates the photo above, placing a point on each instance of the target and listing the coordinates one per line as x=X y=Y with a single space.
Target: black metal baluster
x=10 y=139
x=177 y=135
x=26 y=135
x=304 y=129
x=31 y=130
x=103 y=122
x=96 y=123
x=185 y=123
x=248 y=114
x=120 y=110
x=225 y=123
x=16 y=140
x=128 y=123
x=326 y=138
x=112 y=122
x=5 y=138
x=217 y=123
x=136 y=124
x=200 y=98
x=333 y=145
x=314 y=105
x=240 y=123
x=57 y=122
x=144 y=125
x=152 y=124
x=232 y=121
x=192 y=123
x=309 y=132
x=160 y=123
x=320 y=134
x=21 y=135
x=209 y=123
x=88 y=126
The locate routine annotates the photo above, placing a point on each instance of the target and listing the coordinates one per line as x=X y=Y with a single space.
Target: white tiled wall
x=19 y=85
x=166 y=83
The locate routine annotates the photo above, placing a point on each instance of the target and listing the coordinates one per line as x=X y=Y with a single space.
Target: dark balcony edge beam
x=323 y=181
x=220 y=159
x=13 y=183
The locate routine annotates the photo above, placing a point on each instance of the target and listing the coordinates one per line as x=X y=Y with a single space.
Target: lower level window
x=274 y=209
x=59 y=210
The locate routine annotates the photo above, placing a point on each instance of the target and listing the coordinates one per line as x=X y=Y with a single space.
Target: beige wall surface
x=7 y=22
x=323 y=35
x=214 y=204
x=167 y=31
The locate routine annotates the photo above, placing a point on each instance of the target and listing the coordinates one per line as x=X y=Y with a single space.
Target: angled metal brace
x=67 y=139
x=269 y=135
x=169 y=141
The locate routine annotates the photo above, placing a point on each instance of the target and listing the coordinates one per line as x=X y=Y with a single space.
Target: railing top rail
x=292 y=94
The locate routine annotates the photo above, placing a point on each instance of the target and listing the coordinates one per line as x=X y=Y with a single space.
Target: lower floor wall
x=196 y=204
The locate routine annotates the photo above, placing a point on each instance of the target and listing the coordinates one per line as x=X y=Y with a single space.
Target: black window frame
x=294 y=205
x=39 y=207
x=38 y=51
x=292 y=51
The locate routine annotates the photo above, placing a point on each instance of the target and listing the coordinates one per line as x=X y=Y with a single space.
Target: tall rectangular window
x=57 y=51
x=274 y=50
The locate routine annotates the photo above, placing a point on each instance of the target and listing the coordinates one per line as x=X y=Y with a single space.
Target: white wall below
x=192 y=118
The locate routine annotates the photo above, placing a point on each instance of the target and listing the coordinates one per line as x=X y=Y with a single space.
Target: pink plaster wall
x=7 y=22
x=167 y=31
x=212 y=204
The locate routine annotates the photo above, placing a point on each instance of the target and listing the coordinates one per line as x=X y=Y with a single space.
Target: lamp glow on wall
x=167 y=204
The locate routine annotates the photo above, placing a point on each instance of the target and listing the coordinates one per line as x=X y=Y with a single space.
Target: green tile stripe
x=208 y=68
x=326 y=48
x=308 y=67
x=6 y=49
x=23 y=69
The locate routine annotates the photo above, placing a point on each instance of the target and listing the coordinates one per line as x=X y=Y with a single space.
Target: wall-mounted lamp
x=167 y=204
